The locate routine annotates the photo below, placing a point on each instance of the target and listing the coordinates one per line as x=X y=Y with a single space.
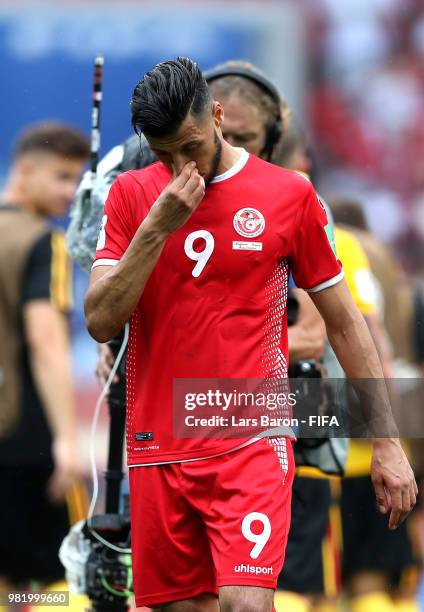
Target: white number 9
x=202 y=257
x=260 y=539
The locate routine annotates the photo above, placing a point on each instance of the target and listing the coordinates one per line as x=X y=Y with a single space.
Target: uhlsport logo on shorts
x=249 y=222
x=252 y=569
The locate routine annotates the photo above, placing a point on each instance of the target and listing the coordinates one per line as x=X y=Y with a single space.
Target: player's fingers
x=197 y=196
x=380 y=494
x=195 y=181
x=181 y=179
x=412 y=496
x=104 y=363
x=407 y=506
x=103 y=370
x=397 y=511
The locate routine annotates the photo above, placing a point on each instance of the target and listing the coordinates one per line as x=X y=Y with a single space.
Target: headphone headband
x=252 y=75
x=275 y=130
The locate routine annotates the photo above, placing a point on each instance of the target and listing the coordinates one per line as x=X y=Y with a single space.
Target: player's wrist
x=154 y=227
x=383 y=443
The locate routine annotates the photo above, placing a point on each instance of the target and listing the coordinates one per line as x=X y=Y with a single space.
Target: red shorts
x=200 y=525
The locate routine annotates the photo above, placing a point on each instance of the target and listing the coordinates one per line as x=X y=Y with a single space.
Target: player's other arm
x=315 y=268
x=347 y=332
x=392 y=477
x=381 y=341
x=114 y=291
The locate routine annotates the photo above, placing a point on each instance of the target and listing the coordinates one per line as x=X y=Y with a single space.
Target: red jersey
x=215 y=303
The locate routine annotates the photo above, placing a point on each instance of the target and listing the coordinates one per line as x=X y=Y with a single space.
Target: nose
x=178 y=163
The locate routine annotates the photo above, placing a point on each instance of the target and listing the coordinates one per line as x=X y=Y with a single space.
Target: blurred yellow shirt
x=357 y=270
x=363 y=288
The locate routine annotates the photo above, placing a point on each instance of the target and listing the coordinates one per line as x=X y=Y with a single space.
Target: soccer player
x=178 y=254
x=256 y=117
x=39 y=461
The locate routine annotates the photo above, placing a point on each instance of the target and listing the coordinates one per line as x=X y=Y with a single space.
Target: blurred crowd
x=366 y=103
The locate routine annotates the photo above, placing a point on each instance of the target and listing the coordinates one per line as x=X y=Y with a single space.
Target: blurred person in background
x=396 y=293
x=387 y=562
x=39 y=457
x=366 y=103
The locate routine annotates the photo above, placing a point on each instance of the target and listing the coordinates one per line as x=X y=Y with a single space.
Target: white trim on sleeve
x=105 y=262
x=328 y=283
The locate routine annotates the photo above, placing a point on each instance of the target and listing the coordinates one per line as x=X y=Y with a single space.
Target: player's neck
x=229 y=157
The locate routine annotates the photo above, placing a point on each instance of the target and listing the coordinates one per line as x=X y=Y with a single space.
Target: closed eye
x=191 y=146
x=240 y=138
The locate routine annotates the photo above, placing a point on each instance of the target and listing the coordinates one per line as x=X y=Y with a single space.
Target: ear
x=217 y=113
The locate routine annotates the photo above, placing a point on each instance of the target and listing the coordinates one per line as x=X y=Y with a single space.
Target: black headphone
x=275 y=130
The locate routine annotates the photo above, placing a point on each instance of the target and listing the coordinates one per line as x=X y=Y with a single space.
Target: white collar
x=239 y=165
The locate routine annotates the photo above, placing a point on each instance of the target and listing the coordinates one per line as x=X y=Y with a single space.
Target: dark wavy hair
x=166 y=95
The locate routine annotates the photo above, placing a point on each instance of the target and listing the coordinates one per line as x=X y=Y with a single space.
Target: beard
x=215 y=161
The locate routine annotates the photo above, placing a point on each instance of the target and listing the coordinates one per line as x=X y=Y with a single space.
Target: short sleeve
x=115 y=232
x=313 y=259
x=48 y=272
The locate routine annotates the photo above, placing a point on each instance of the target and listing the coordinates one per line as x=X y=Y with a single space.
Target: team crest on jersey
x=249 y=222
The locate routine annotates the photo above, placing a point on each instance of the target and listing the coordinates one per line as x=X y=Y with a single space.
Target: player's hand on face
x=393 y=480
x=105 y=364
x=179 y=199
x=67 y=468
